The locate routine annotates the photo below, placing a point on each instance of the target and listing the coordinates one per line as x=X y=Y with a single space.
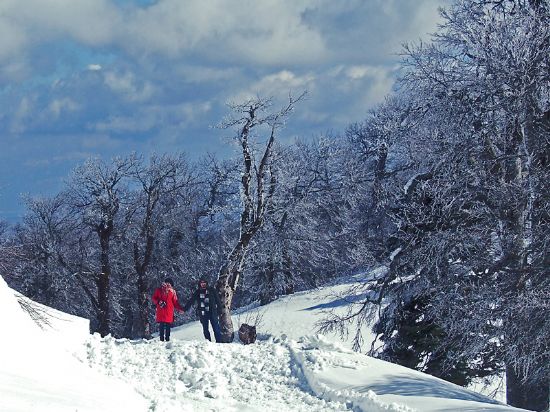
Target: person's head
x=203 y=284
x=168 y=282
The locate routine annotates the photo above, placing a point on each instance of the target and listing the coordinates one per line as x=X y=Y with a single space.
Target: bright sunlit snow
x=39 y=370
x=63 y=368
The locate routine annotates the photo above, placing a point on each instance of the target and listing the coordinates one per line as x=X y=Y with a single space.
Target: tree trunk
x=142 y=285
x=129 y=322
x=226 y=284
x=519 y=392
x=268 y=293
x=524 y=394
x=103 y=284
x=287 y=272
x=143 y=304
x=225 y=293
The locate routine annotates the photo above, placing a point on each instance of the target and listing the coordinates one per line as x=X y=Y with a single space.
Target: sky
x=104 y=78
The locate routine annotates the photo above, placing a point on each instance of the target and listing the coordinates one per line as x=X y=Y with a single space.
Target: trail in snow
x=260 y=377
x=270 y=375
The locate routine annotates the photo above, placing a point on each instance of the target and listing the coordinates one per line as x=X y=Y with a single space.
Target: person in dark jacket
x=166 y=300
x=208 y=302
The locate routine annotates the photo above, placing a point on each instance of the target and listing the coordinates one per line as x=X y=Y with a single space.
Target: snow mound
x=273 y=375
x=314 y=355
x=367 y=384
x=326 y=367
x=68 y=331
x=38 y=372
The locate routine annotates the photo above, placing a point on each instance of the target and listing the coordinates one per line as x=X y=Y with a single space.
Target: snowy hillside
x=62 y=368
x=39 y=371
x=294 y=316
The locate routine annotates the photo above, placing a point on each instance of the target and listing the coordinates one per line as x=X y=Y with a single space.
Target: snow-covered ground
x=294 y=316
x=62 y=368
x=39 y=369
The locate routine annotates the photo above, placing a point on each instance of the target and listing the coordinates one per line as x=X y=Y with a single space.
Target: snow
x=395 y=253
x=38 y=371
x=410 y=182
x=290 y=368
x=71 y=331
x=293 y=316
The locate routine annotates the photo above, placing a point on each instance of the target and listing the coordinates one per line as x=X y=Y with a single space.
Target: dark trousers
x=213 y=319
x=164 y=331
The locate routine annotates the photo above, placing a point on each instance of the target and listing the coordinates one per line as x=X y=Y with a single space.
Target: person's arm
x=214 y=292
x=177 y=303
x=191 y=300
x=156 y=297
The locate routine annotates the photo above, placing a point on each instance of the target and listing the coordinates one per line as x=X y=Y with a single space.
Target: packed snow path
x=228 y=377
x=200 y=375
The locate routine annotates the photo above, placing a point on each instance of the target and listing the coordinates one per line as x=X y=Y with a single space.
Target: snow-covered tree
x=46 y=241
x=258 y=183
x=471 y=215
x=161 y=185
x=309 y=235
x=96 y=190
x=7 y=251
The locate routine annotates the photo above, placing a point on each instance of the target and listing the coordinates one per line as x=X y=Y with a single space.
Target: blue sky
x=81 y=78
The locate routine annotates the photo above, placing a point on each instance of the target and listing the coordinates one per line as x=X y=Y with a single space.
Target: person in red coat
x=166 y=300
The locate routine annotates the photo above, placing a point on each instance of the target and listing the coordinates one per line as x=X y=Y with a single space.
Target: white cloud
x=205 y=74
x=277 y=33
x=285 y=79
x=425 y=19
x=22 y=114
x=64 y=104
x=190 y=112
x=91 y=22
x=12 y=37
x=267 y=32
x=14 y=70
x=120 y=124
x=49 y=161
x=375 y=82
x=94 y=67
x=100 y=141
x=276 y=85
x=364 y=85
x=129 y=86
x=154 y=116
x=358 y=72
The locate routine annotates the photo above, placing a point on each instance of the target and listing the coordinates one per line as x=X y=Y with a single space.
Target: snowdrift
x=38 y=371
x=63 y=368
x=331 y=371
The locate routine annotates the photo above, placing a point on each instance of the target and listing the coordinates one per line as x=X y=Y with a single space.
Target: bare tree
x=95 y=191
x=5 y=250
x=310 y=232
x=258 y=184
x=160 y=183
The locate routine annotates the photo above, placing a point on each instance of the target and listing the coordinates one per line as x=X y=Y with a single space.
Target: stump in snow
x=247 y=334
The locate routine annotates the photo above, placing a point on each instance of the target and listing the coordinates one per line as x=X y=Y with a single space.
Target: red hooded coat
x=167 y=294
